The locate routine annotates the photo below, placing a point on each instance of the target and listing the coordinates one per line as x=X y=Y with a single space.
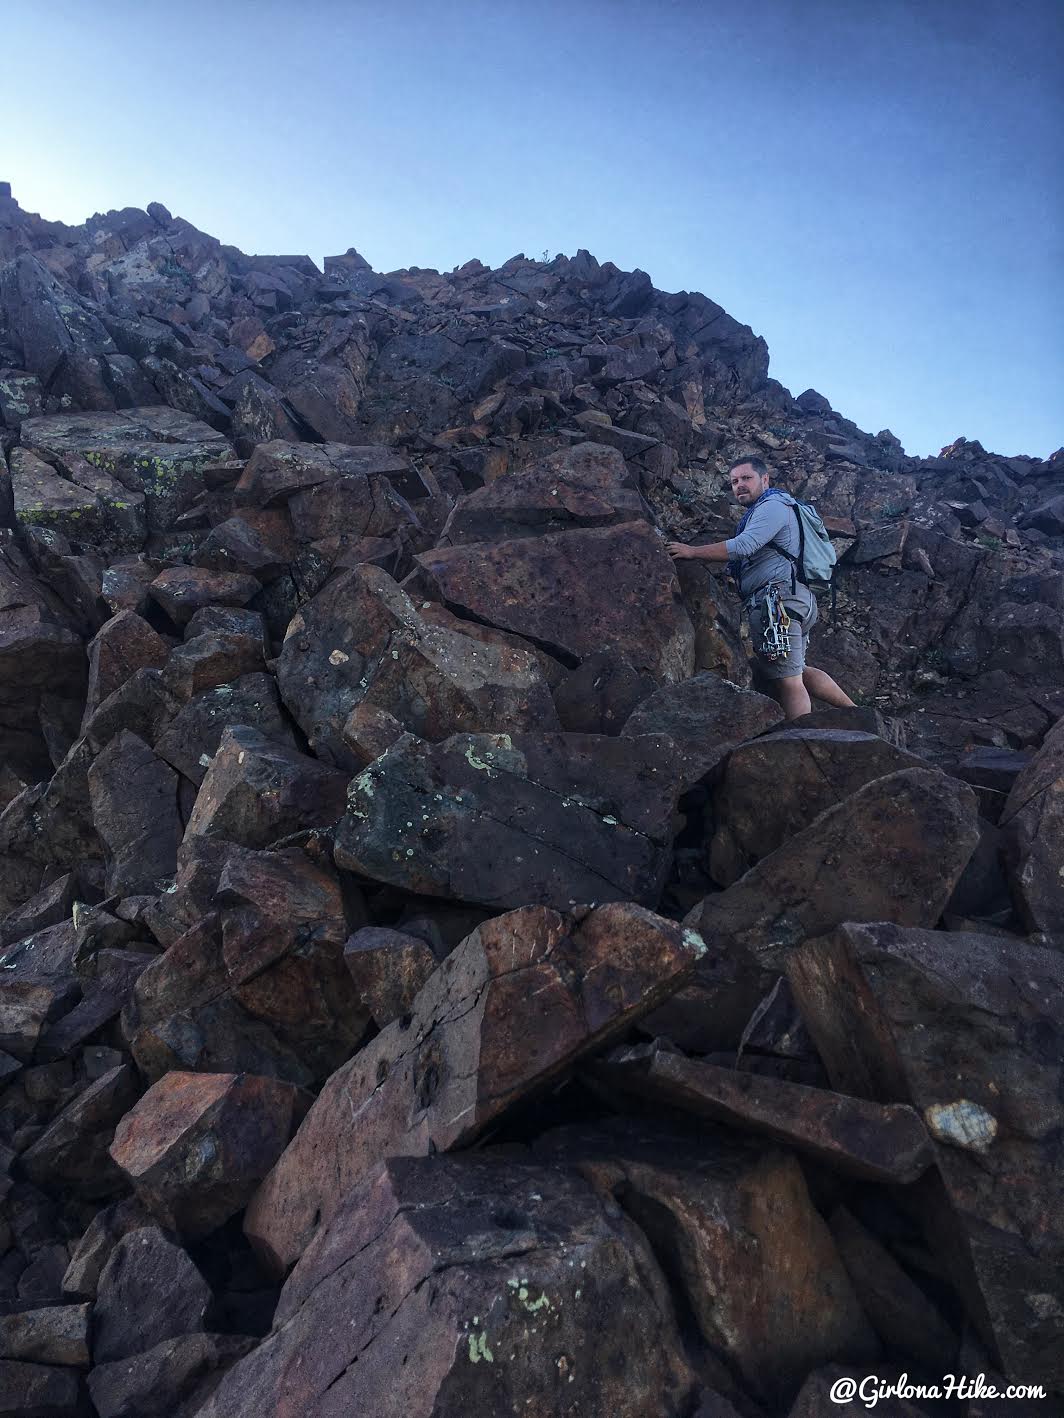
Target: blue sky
x=873 y=185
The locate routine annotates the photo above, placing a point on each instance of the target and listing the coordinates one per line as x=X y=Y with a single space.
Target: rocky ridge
x=416 y=927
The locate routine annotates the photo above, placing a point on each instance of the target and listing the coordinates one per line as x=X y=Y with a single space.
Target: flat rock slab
x=508 y=819
x=706 y=716
x=571 y=593
x=149 y=1291
x=446 y=1287
x=774 y=787
x=1033 y=822
x=585 y=486
x=197 y=1145
x=967 y=1029
x=865 y=859
x=885 y=1143
x=278 y=470
x=732 y=1222
x=511 y=1008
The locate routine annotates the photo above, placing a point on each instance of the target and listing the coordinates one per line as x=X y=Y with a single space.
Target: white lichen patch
x=961 y=1124
x=694 y=941
x=337 y=657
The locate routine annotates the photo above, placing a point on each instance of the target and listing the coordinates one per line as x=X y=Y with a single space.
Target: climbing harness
x=776 y=644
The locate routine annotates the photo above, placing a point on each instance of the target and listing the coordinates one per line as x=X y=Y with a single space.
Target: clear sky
x=875 y=186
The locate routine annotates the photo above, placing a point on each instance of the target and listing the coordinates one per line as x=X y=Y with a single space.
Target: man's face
x=746 y=484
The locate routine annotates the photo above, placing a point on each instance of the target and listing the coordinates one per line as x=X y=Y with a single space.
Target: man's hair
x=760 y=467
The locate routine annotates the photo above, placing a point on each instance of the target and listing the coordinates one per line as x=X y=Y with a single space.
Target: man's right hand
x=679 y=551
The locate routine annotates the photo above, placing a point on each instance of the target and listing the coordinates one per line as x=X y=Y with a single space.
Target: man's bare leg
x=793 y=696
x=821 y=686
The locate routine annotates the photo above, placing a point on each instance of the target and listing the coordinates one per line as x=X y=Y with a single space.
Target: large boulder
x=573 y=592
x=154 y=451
x=967 y=1030
x=131 y=1313
x=505 y=819
x=732 y=1222
x=445 y=1287
x=705 y=716
x=518 y=1002
x=774 y=787
x=1033 y=822
x=361 y=640
x=253 y=979
x=865 y=859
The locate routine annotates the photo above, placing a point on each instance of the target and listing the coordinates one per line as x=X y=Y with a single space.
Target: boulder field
x=435 y=982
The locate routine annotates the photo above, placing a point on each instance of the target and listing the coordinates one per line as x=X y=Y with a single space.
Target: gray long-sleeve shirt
x=771 y=520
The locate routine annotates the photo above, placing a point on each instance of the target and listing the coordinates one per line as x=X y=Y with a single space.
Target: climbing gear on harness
x=776 y=643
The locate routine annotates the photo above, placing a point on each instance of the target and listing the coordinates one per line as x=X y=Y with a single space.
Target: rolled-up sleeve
x=766 y=522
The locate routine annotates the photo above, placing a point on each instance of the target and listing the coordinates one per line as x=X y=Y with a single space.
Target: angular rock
x=38 y=1391
x=1033 y=822
x=257 y=791
x=506 y=819
x=191 y=739
x=864 y=859
x=458 y=1286
x=171 y=1380
x=734 y=1224
x=902 y=1315
x=258 y=986
x=183 y=590
x=56 y=1335
x=773 y=788
x=196 y=1146
x=124 y=644
x=521 y=999
x=850 y=1135
x=134 y=805
x=278 y=470
x=585 y=486
x=967 y=1030
x=149 y=1291
x=573 y=592
x=705 y=716
x=600 y=695
x=388 y=969
x=89 y=1255
x=362 y=640
x=72 y=1151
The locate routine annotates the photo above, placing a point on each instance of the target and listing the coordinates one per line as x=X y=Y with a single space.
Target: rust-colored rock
x=883 y=1143
x=573 y=592
x=257 y=791
x=705 y=716
x=734 y=1224
x=774 y=787
x=446 y=1287
x=183 y=590
x=519 y=1001
x=197 y=1145
x=967 y=1030
x=388 y=969
x=865 y=859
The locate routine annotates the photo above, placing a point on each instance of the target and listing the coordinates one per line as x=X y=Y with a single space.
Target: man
x=770 y=519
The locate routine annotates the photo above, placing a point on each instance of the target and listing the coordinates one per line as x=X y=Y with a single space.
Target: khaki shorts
x=802 y=609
